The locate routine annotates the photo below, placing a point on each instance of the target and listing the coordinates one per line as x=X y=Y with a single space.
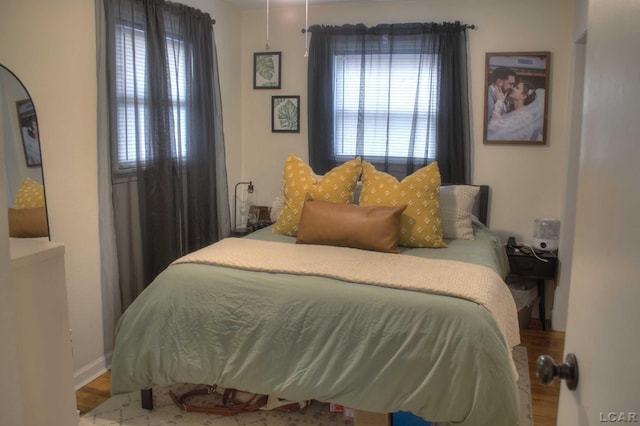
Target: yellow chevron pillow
x=420 y=224
x=336 y=186
x=30 y=195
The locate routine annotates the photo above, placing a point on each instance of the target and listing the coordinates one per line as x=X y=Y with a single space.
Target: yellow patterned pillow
x=30 y=195
x=336 y=186
x=420 y=224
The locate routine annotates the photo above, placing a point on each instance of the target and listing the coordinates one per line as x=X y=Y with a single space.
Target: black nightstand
x=246 y=230
x=524 y=264
x=240 y=232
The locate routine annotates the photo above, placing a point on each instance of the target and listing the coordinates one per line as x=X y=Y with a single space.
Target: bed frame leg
x=146 y=398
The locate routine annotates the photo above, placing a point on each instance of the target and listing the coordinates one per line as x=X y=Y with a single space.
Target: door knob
x=547 y=370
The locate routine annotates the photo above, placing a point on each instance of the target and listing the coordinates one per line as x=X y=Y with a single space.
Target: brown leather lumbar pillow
x=28 y=223
x=347 y=225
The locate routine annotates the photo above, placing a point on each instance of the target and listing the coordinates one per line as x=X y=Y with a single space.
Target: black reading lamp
x=235 y=201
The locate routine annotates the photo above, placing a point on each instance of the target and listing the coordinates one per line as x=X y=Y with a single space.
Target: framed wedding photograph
x=266 y=70
x=516 y=98
x=29 y=131
x=285 y=114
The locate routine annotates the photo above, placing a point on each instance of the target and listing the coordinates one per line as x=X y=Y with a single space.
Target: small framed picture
x=266 y=70
x=285 y=114
x=517 y=96
x=29 y=131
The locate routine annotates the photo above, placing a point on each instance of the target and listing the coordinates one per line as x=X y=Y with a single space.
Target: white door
x=603 y=327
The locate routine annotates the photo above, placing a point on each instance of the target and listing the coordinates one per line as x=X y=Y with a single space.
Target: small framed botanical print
x=285 y=114
x=266 y=70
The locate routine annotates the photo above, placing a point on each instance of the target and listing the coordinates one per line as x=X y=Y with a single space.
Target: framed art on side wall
x=29 y=131
x=516 y=98
x=285 y=114
x=266 y=70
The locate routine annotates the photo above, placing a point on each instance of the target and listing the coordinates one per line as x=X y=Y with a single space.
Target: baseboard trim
x=91 y=371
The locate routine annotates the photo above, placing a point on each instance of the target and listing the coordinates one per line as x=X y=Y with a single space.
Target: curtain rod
x=471 y=27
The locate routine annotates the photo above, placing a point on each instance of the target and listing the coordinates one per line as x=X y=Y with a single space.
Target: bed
x=314 y=330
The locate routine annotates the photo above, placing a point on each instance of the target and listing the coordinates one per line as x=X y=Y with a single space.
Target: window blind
x=381 y=101
x=131 y=96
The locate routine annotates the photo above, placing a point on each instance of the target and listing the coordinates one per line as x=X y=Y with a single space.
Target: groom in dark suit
x=501 y=78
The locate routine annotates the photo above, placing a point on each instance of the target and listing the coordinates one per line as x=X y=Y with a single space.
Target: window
x=388 y=104
x=395 y=94
x=131 y=97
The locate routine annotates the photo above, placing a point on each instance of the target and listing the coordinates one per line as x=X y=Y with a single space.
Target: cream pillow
x=30 y=195
x=456 y=210
x=335 y=186
x=420 y=224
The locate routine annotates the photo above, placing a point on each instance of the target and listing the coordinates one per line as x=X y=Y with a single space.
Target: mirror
x=23 y=160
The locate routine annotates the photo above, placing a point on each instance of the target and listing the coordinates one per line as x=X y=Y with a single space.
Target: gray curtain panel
x=110 y=285
x=435 y=113
x=167 y=159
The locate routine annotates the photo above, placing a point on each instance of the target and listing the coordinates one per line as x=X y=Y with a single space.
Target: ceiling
x=256 y=3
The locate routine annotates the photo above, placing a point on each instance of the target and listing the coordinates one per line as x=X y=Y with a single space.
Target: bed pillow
x=420 y=225
x=356 y=193
x=456 y=210
x=28 y=223
x=30 y=195
x=276 y=208
x=347 y=225
x=335 y=186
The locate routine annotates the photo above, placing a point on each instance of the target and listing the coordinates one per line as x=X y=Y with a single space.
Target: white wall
x=527 y=181
x=51 y=47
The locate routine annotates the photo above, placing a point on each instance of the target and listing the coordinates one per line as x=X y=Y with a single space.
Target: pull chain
x=306 y=27
x=267 y=45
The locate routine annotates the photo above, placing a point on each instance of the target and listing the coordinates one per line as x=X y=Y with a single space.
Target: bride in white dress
x=524 y=120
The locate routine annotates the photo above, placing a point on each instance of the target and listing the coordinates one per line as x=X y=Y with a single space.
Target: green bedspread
x=300 y=337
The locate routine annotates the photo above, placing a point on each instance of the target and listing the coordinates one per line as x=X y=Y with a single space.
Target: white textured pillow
x=276 y=207
x=356 y=193
x=456 y=209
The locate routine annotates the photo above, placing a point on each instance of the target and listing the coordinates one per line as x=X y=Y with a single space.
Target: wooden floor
x=543 y=398
x=537 y=342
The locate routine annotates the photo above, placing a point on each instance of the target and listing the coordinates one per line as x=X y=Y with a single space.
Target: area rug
x=125 y=410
